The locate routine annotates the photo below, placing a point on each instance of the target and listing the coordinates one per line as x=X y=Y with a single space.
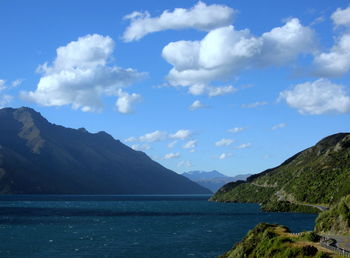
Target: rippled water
x=129 y=226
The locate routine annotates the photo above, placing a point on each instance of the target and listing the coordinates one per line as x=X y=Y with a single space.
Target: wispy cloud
x=190 y=144
x=279 y=126
x=236 y=129
x=171 y=155
x=244 y=146
x=255 y=104
x=224 y=142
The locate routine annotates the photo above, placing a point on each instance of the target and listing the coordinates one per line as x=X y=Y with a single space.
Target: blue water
x=129 y=226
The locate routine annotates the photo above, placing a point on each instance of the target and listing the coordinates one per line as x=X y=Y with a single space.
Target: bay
x=129 y=226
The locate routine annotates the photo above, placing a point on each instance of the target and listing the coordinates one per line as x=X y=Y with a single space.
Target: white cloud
x=181 y=134
x=317 y=97
x=125 y=101
x=16 y=83
x=200 y=17
x=341 y=17
x=131 y=139
x=2 y=85
x=244 y=146
x=190 y=144
x=196 y=105
x=224 y=142
x=153 y=136
x=225 y=155
x=279 y=126
x=171 y=155
x=200 y=89
x=236 y=130
x=172 y=144
x=185 y=163
x=255 y=104
x=224 y=52
x=81 y=75
x=5 y=86
x=336 y=62
x=5 y=100
x=140 y=147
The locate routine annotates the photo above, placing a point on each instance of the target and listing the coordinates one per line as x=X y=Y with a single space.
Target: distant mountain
x=212 y=180
x=317 y=175
x=37 y=157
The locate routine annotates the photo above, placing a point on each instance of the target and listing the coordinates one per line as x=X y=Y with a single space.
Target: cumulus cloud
x=125 y=101
x=200 y=17
x=318 y=97
x=196 y=105
x=279 y=126
x=225 y=51
x=171 y=155
x=190 y=144
x=153 y=137
x=236 y=129
x=336 y=62
x=181 y=134
x=224 y=142
x=341 y=17
x=225 y=155
x=81 y=75
x=244 y=146
x=255 y=104
x=140 y=147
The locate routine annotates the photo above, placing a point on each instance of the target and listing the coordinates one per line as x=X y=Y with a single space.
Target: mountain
x=212 y=180
x=318 y=175
x=37 y=157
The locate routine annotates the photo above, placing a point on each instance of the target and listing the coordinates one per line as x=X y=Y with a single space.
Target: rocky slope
x=37 y=157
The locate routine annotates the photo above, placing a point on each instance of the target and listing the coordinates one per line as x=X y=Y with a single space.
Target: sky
x=237 y=86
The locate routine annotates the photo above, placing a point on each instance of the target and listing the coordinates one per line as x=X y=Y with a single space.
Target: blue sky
x=237 y=86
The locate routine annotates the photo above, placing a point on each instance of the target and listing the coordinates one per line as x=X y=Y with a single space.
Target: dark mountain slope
x=37 y=157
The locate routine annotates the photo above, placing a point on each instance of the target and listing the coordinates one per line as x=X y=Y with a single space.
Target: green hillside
x=317 y=175
x=336 y=220
x=267 y=240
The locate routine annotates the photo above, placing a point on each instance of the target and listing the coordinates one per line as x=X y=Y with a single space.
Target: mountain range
x=38 y=157
x=212 y=180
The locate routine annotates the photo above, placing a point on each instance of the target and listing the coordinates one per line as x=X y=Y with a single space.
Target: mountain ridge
x=212 y=180
x=39 y=157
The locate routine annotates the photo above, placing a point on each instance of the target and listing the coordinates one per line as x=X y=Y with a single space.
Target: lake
x=129 y=226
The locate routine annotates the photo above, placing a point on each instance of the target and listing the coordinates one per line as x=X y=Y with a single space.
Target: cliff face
x=317 y=175
x=37 y=157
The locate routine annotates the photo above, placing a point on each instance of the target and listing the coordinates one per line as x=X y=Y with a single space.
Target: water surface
x=129 y=226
